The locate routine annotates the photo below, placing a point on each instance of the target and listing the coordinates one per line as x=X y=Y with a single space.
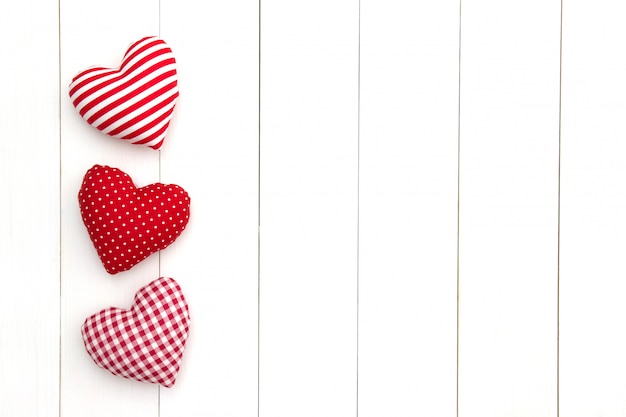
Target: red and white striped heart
x=134 y=102
x=145 y=343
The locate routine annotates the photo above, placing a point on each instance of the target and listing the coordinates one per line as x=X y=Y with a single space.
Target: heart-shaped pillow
x=145 y=343
x=134 y=102
x=127 y=224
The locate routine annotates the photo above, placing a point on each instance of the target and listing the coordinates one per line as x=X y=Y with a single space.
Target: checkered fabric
x=145 y=343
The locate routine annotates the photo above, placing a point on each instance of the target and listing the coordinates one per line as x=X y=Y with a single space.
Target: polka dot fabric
x=127 y=224
x=145 y=343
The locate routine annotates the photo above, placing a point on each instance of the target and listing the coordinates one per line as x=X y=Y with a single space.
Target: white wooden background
x=399 y=208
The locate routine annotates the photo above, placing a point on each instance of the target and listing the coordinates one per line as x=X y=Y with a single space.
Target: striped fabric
x=134 y=102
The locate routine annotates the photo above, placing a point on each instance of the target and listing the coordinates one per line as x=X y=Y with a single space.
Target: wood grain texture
x=593 y=177
x=29 y=209
x=213 y=152
x=309 y=106
x=408 y=208
x=509 y=208
x=352 y=172
x=97 y=34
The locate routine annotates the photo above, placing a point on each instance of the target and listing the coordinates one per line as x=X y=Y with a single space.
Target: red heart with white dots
x=134 y=102
x=127 y=224
x=145 y=343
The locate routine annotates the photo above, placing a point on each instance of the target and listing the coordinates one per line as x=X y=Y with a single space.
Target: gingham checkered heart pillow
x=127 y=224
x=145 y=343
x=134 y=102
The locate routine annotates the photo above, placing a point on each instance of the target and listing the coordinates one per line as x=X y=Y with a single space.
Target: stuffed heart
x=127 y=224
x=145 y=343
x=134 y=102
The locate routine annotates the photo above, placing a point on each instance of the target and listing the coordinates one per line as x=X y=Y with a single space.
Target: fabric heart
x=127 y=224
x=145 y=343
x=134 y=102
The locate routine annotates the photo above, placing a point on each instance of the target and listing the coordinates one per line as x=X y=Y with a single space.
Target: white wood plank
x=408 y=208
x=98 y=34
x=29 y=209
x=309 y=67
x=213 y=153
x=593 y=177
x=508 y=208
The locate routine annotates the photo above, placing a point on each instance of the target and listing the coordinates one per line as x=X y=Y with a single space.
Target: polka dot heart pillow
x=127 y=224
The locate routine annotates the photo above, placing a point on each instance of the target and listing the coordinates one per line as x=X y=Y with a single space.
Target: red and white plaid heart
x=127 y=224
x=145 y=343
x=134 y=102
